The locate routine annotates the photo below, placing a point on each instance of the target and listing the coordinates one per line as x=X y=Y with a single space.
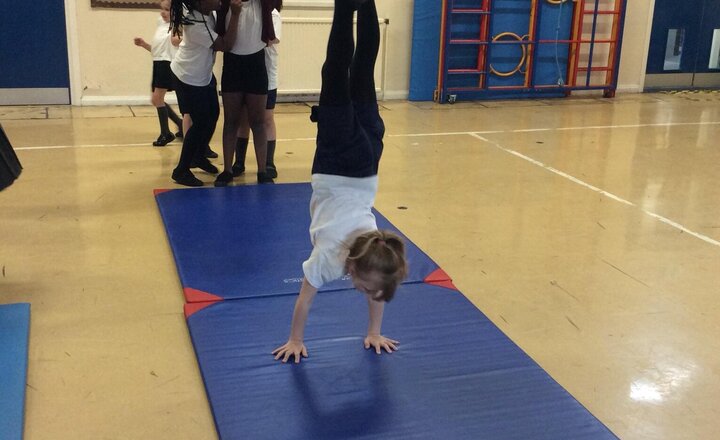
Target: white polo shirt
x=195 y=57
x=340 y=211
x=162 y=48
x=248 y=39
x=271 y=53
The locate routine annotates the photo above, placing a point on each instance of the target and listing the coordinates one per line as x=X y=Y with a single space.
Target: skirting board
x=172 y=99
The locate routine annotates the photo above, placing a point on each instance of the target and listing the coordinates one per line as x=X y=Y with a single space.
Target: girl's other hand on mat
x=289 y=349
x=380 y=342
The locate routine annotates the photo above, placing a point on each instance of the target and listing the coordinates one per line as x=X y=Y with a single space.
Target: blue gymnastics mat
x=248 y=241
x=14 y=338
x=455 y=376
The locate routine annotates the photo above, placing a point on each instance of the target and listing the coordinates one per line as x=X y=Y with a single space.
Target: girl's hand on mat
x=291 y=348
x=380 y=342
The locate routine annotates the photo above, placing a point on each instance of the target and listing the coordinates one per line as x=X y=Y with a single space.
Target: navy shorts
x=162 y=76
x=244 y=73
x=349 y=139
x=192 y=99
x=271 y=100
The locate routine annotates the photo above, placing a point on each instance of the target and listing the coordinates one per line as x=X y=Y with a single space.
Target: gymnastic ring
x=522 y=58
x=556 y=2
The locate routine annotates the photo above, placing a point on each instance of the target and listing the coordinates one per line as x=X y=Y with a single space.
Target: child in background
x=163 y=48
x=343 y=231
x=271 y=64
x=245 y=83
x=195 y=83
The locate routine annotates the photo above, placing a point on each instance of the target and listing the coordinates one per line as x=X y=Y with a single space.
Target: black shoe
x=186 y=178
x=264 y=178
x=314 y=110
x=271 y=171
x=179 y=134
x=238 y=170
x=164 y=139
x=224 y=178
x=205 y=165
x=210 y=153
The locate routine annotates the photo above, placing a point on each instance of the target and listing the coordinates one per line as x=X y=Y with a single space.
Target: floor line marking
x=59 y=147
x=665 y=220
x=601 y=127
x=450 y=133
x=145 y=144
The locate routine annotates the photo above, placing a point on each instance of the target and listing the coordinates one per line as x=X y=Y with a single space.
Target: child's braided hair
x=177 y=17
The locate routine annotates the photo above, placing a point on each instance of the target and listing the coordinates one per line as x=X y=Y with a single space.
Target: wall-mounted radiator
x=302 y=53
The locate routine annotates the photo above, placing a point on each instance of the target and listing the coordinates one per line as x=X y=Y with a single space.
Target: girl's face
x=207 y=6
x=165 y=10
x=368 y=283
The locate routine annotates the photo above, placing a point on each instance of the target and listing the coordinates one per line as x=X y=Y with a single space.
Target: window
x=673 y=50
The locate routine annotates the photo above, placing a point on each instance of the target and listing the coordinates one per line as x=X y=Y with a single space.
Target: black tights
x=201 y=103
x=348 y=74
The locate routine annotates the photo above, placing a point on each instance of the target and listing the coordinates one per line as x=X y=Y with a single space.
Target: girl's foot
x=164 y=139
x=271 y=171
x=210 y=153
x=264 y=178
x=205 y=165
x=238 y=169
x=224 y=178
x=186 y=178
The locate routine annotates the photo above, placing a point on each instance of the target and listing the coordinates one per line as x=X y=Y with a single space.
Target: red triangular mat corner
x=440 y=278
x=448 y=284
x=192 y=308
x=437 y=275
x=159 y=191
x=196 y=296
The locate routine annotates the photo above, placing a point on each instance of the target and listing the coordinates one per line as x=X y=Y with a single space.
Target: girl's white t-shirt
x=271 y=53
x=195 y=57
x=248 y=39
x=340 y=211
x=162 y=48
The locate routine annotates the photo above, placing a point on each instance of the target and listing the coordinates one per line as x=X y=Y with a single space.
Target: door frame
x=646 y=49
x=73 y=49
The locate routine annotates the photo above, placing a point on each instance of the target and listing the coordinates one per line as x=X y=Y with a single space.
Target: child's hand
x=291 y=348
x=139 y=41
x=380 y=342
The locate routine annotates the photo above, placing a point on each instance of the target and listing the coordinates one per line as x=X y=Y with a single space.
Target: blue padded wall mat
x=455 y=376
x=425 y=56
x=251 y=240
x=14 y=338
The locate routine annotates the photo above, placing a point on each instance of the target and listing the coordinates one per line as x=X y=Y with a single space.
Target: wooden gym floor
x=587 y=229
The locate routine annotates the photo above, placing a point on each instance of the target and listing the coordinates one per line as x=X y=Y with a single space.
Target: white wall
x=636 y=41
x=107 y=68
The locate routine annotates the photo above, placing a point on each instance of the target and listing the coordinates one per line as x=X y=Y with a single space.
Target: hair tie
x=382 y=242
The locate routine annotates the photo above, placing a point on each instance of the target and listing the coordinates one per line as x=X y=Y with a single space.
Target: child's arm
x=221 y=15
x=141 y=43
x=294 y=345
x=225 y=42
x=374 y=338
